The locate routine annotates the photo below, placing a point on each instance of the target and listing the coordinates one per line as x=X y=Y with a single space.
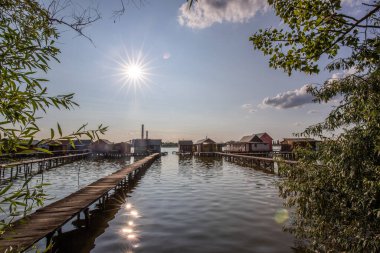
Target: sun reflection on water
x=129 y=230
x=134 y=213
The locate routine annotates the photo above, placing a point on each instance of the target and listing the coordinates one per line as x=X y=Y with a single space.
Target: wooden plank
x=32 y=228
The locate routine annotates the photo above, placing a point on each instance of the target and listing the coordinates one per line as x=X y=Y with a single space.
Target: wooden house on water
x=289 y=144
x=122 y=148
x=185 y=146
x=146 y=145
x=102 y=146
x=207 y=146
x=59 y=146
x=261 y=142
x=81 y=145
x=143 y=146
x=154 y=145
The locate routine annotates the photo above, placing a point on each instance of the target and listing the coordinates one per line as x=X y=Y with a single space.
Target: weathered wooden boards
x=45 y=221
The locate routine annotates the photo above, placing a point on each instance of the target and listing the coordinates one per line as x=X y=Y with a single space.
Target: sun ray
x=133 y=70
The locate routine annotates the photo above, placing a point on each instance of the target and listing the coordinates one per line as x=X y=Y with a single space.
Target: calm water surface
x=196 y=205
x=66 y=179
x=180 y=204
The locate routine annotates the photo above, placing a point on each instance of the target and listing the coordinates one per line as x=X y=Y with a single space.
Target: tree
x=28 y=34
x=335 y=192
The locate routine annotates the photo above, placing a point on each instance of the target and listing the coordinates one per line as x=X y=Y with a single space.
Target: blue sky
x=211 y=82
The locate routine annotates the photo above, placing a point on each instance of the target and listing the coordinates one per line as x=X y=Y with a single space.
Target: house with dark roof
x=81 y=144
x=185 y=146
x=261 y=142
x=102 y=146
x=144 y=146
x=207 y=145
x=289 y=144
x=122 y=148
x=59 y=145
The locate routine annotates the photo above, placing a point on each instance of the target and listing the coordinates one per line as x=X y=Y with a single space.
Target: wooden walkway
x=264 y=163
x=10 y=171
x=49 y=219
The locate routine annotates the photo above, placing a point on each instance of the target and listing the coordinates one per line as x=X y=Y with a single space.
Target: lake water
x=182 y=204
x=66 y=179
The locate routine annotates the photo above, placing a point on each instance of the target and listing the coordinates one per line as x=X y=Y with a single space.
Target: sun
x=133 y=70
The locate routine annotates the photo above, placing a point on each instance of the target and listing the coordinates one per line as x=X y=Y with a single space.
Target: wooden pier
x=206 y=154
x=49 y=219
x=267 y=164
x=25 y=168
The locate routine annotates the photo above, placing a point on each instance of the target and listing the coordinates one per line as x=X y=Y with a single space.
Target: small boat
x=164 y=153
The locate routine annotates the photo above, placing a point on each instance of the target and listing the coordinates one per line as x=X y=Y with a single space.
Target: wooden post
x=48 y=240
x=87 y=217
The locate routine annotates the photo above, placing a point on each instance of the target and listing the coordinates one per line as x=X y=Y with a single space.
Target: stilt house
x=207 y=145
x=289 y=144
x=261 y=142
x=102 y=146
x=185 y=146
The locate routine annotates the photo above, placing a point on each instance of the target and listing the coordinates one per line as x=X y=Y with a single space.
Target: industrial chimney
x=142 y=132
x=146 y=134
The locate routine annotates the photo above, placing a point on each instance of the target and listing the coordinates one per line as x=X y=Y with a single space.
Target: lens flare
x=281 y=216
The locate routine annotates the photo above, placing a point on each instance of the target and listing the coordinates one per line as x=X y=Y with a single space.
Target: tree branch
x=350 y=29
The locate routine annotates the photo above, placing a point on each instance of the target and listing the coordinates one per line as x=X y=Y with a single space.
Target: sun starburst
x=133 y=70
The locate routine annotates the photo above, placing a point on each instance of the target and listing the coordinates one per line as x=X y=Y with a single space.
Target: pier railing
x=10 y=171
x=264 y=163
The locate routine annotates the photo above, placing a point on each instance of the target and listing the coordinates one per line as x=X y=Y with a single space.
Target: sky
x=202 y=76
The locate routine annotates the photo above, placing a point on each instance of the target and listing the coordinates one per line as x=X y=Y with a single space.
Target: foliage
x=27 y=44
x=318 y=28
x=335 y=191
x=28 y=36
x=24 y=197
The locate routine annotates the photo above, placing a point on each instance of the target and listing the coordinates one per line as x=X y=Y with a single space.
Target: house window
x=255 y=145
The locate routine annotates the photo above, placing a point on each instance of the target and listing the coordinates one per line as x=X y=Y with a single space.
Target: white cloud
x=289 y=99
x=246 y=106
x=340 y=75
x=313 y=112
x=208 y=12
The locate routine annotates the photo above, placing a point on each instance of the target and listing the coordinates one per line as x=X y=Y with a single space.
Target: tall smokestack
x=142 y=131
x=146 y=134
